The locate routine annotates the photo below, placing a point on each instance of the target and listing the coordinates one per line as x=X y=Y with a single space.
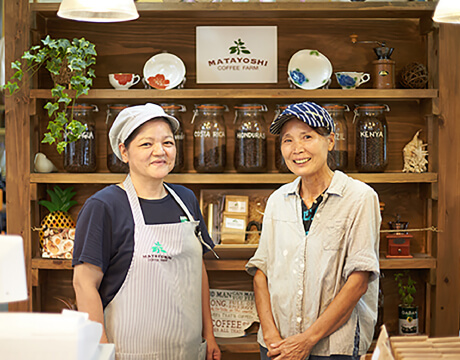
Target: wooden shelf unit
x=406 y=25
x=226 y=178
x=279 y=94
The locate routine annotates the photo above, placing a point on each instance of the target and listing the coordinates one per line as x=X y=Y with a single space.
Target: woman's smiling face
x=303 y=149
x=152 y=152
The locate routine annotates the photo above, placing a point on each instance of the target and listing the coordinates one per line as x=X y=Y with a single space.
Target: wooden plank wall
x=17 y=136
x=448 y=271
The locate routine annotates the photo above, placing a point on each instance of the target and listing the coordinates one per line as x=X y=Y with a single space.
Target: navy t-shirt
x=105 y=231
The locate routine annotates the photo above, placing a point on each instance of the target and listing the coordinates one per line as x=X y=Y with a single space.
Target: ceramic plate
x=164 y=71
x=309 y=69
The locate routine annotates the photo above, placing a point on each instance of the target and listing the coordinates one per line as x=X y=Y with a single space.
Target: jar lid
x=282 y=106
x=260 y=107
x=334 y=106
x=82 y=107
x=117 y=106
x=210 y=106
x=371 y=107
x=166 y=106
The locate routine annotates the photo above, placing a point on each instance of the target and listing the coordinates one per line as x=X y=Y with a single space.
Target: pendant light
x=98 y=10
x=447 y=11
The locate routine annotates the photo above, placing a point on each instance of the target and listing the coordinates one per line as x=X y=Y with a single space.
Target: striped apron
x=156 y=314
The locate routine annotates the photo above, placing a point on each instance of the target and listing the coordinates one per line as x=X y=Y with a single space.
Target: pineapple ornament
x=57 y=229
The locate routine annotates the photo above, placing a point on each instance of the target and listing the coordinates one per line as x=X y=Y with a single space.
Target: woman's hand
x=212 y=350
x=295 y=347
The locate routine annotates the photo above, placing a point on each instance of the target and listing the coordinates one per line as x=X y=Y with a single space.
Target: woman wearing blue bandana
x=317 y=266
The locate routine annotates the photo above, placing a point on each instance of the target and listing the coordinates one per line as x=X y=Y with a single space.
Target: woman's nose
x=157 y=149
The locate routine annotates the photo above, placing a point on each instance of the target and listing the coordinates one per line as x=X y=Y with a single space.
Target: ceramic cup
x=351 y=80
x=123 y=81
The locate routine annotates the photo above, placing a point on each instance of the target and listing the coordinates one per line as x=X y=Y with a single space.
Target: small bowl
x=164 y=71
x=309 y=69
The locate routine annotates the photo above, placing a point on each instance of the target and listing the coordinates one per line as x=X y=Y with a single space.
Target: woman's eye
x=146 y=144
x=307 y=137
x=286 y=140
x=169 y=143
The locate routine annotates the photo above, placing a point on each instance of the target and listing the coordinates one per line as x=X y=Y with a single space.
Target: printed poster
x=232 y=311
x=236 y=54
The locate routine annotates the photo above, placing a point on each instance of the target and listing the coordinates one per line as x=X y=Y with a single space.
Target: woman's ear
x=124 y=152
x=331 y=141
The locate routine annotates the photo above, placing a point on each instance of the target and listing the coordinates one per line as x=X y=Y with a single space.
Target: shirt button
x=299 y=319
x=302 y=265
x=317 y=215
x=300 y=292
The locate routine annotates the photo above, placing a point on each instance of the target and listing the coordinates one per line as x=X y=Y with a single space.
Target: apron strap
x=134 y=201
x=189 y=215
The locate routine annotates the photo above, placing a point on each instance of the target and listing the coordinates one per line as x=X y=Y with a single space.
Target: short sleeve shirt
x=105 y=231
x=306 y=272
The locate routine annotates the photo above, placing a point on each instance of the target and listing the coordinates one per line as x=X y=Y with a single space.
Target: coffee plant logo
x=239 y=48
x=158 y=248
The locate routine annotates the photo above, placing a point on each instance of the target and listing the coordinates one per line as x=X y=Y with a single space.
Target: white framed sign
x=236 y=54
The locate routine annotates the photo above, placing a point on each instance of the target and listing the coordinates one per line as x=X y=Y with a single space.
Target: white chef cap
x=130 y=118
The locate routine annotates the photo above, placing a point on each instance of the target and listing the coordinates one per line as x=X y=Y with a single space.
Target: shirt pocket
x=334 y=235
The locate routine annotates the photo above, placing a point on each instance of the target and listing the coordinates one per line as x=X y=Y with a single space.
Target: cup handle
x=136 y=79
x=364 y=79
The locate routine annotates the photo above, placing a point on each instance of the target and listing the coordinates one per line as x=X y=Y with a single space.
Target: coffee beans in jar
x=250 y=138
x=179 y=136
x=338 y=157
x=114 y=164
x=209 y=138
x=80 y=155
x=371 y=137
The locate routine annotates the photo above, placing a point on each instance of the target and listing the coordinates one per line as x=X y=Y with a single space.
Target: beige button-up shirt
x=305 y=273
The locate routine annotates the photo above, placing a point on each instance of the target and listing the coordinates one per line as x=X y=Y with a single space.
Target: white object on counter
x=39 y=336
x=42 y=164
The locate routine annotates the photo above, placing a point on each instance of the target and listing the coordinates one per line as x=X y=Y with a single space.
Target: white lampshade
x=98 y=10
x=447 y=11
x=13 y=283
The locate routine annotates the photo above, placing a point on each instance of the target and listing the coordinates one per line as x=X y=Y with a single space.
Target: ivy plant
x=407 y=289
x=70 y=61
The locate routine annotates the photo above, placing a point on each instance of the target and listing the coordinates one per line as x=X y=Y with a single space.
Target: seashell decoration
x=415 y=155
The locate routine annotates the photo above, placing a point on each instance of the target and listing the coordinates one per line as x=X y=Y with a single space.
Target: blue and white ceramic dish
x=309 y=69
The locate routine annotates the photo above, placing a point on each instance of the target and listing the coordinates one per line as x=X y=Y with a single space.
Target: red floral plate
x=164 y=71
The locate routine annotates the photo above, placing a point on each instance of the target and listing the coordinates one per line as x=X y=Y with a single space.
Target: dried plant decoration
x=415 y=155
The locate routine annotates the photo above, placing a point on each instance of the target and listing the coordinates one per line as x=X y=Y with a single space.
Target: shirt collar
x=337 y=186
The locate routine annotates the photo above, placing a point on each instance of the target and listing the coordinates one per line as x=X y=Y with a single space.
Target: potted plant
x=69 y=64
x=408 y=312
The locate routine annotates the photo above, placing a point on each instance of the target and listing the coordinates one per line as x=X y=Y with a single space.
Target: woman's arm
x=263 y=305
x=337 y=313
x=86 y=281
x=213 y=351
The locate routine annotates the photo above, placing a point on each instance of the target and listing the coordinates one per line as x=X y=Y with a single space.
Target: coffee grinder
x=398 y=242
x=383 y=73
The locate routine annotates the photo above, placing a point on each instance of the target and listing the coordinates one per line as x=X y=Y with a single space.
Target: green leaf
x=12 y=87
x=16 y=65
x=233 y=51
x=245 y=51
x=61 y=146
x=49 y=205
x=51 y=107
x=48 y=139
x=54 y=197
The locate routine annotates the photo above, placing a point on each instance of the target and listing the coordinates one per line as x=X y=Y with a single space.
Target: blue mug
x=351 y=80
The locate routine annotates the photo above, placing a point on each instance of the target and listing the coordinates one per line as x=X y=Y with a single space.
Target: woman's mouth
x=301 y=161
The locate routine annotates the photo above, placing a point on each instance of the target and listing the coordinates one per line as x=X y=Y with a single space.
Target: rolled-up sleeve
x=364 y=238
x=259 y=260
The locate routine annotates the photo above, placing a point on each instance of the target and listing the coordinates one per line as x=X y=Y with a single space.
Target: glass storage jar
x=209 y=138
x=179 y=137
x=250 y=138
x=371 y=137
x=114 y=164
x=280 y=164
x=338 y=157
x=80 y=155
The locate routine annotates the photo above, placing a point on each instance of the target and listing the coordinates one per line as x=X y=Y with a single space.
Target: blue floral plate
x=309 y=69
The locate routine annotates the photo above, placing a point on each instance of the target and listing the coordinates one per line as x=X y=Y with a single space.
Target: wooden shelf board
x=419 y=261
x=281 y=94
x=247 y=344
x=226 y=178
x=280 y=9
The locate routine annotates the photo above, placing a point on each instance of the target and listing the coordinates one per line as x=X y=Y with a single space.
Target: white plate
x=164 y=71
x=309 y=69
